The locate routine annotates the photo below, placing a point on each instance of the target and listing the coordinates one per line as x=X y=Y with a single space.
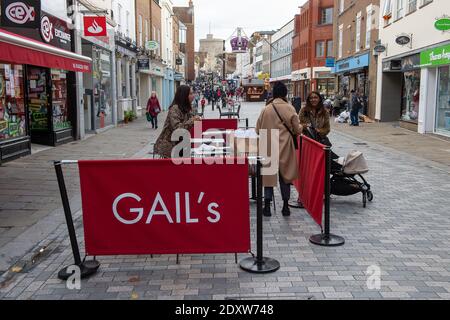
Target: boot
x=286 y=210
x=266 y=211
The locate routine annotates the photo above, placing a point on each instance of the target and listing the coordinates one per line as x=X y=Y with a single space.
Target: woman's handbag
x=294 y=137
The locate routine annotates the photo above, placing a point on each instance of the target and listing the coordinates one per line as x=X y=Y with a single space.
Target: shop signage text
x=443 y=24
x=144 y=64
x=435 y=57
x=152 y=45
x=55 y=30
x=21 y=14
x=403 y=39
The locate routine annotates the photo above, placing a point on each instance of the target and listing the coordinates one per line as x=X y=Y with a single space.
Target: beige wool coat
x=269 y=120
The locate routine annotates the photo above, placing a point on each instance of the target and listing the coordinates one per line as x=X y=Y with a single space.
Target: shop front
x=37 y=87
x=98 y=97
x=301 y=83
x=254 y=90
x=404 y=75
x=323 y=81
x=435 y=63
x=352 y=74
x=168 y=88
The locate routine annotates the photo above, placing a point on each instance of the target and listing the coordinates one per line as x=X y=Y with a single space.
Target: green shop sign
x=443 y=24
x=435 y=57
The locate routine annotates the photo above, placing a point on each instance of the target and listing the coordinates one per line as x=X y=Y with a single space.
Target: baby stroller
x=347 y=177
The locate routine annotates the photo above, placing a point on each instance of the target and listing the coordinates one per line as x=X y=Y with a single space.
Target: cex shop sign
x=95 y=26
x=23 y=14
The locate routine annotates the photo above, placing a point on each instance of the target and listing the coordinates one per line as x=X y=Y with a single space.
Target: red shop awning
x=21 y=50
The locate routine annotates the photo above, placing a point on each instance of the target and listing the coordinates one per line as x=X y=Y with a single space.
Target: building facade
x=214 y=48
x=126 y=56
x=187 y=16
x=312 y=46
x=414 y=69
x=167 y=53
x=281 y=55
x=356 y=32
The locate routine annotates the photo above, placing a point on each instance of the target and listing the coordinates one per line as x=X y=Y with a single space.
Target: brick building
x=187 y=16
x=356 y=32
x=312 y=45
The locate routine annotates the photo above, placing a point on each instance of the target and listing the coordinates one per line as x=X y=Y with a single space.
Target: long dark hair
x=320 y=107
x=182 y=99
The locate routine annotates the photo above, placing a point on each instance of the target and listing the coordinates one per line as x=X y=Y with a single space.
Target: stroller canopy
x=354 y=163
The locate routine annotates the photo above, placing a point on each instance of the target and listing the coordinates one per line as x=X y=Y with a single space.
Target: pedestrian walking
x=280 y=115
x=356 y=105
x=179 y=117
x=153 y=109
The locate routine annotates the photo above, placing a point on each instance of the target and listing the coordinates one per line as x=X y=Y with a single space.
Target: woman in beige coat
x=280 y=115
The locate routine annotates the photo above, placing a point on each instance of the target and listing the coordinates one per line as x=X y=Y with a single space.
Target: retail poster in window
x=95 y=26
x=21 y=14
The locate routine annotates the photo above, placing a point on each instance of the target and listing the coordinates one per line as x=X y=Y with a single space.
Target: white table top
x=203 y=140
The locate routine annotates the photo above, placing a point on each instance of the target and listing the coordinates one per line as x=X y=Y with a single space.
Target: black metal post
x=259 y=264
x=246 y=123
x=326 y=239
x=254 y=197
x=87 y=268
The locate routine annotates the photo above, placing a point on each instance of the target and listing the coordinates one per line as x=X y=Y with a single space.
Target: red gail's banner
x=311 y=183
x=216 y=124
x=135 y=207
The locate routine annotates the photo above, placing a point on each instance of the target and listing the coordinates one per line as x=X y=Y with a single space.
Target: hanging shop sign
x=179 y=61
x=21 y=14
x=330 y=63
x=443 y=24
x=403 y=39
x=144 y=63
x=379 y=48
x=95 y=26
x=435 y=57
x=55 y=32
x=152 y=45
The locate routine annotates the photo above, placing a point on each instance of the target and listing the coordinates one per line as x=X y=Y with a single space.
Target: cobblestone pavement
x=405 y=232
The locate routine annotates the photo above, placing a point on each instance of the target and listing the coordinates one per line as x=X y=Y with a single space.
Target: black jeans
x=285 y=191
x=154 y=122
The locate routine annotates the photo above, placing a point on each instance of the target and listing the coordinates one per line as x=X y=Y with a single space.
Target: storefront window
x=326 y=87
x=443 y=101
x=102 y=88
x=411 y=96
x=59 y=100
x=38 y=99
x=344 y=85
x=12 y=104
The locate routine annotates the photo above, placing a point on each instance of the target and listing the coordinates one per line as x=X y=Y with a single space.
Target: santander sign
x=20 y=13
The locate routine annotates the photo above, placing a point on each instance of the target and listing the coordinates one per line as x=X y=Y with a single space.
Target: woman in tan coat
x=179 y=117
x=280 y=115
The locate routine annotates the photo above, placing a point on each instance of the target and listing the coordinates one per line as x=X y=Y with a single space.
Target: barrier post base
x=267 y=265
x=297 y=204
x=87 y=269
x=329 y=240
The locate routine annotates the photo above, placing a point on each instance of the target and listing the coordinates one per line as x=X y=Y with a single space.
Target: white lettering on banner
x=20 y=13
x=443 y=55
x=214 y=217
x=62 y=35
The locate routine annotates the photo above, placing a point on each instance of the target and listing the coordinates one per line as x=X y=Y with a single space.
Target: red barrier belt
x=136 y=207
x=311 y=183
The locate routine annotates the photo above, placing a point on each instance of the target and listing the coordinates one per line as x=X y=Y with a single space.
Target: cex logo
x=46 y=29
x=20 y=13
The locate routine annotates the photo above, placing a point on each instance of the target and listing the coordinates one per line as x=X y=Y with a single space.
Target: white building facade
x=281 y=55
x=414 y=70
x=126 y=55
x=167 y=53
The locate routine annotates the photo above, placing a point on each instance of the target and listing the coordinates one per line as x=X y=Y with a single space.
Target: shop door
x=88 y=112
x=443 y=102
x=39 y=105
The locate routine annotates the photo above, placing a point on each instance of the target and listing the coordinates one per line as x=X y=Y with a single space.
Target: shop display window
x=12 y=104
x=411 y=96
x=443 y=101
x=59 y=100
x=102 y=88
x=38 y=99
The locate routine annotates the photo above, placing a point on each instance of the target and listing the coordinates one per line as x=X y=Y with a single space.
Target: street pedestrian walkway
x=404 y=233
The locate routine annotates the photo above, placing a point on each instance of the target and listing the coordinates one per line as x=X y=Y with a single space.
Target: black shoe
x=286 y=210
x=266 y=210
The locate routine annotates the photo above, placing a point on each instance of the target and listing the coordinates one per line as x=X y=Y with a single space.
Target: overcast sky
x=252 y=15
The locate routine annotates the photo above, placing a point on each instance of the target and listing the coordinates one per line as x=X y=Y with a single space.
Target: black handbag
x=312 y=132
x=294 y=137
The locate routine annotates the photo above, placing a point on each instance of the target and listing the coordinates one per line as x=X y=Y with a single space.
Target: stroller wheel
x=370 y=196
x=364 y=199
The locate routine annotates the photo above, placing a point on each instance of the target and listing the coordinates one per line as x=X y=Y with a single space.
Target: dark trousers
x=354 y=117
x=154 y=122
x=285 y=191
